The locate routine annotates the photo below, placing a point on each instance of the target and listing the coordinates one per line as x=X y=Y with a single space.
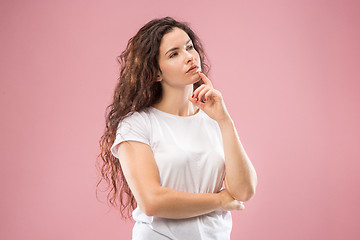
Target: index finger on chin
x=205 y=79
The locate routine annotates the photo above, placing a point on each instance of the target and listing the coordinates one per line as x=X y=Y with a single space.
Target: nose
x=190 y=58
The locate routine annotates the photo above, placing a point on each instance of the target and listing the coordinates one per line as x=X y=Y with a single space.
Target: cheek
x=170 y=70
x=174 y=67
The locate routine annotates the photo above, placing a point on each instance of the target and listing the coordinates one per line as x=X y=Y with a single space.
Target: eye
x=191 y=47
x=174 y=54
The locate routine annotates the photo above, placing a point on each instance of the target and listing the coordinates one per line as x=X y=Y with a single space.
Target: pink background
x=289 y=74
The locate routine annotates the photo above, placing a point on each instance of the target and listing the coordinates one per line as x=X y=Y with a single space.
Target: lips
x=192 y=67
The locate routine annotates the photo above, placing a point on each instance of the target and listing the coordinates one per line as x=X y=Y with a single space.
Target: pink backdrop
x=289 y=74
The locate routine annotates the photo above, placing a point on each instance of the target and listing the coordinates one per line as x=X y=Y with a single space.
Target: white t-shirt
x=189 y=153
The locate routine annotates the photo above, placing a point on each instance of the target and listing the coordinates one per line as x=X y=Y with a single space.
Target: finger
x=192 y=100
x=240 y=206
x=205 y=79
x=196 y=103
x=202 y=93
x=199 y=104
x=196 y=92
x=208 y=94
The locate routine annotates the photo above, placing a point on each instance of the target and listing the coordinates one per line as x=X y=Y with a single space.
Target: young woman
x=169 y=139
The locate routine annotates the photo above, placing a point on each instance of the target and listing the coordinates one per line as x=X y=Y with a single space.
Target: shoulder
x=141 y=116
x=134 y=126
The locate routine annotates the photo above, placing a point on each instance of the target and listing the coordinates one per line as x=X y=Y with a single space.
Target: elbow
x=149 y=206
x=148 y=210
x=244 y=196
x=247 y=194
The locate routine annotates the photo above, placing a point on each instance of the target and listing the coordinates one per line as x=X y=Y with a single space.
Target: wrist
x=220 y=200
x=225 y=121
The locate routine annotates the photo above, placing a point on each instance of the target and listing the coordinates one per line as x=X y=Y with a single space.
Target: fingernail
x=197 y=99
x=192 y=96
x=204 y=99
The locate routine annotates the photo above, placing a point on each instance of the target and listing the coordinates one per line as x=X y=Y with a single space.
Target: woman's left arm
x=240 y=178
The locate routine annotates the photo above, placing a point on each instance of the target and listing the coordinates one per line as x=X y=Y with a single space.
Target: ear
x=159 y=77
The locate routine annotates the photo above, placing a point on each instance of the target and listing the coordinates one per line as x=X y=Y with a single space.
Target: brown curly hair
x=136 y=90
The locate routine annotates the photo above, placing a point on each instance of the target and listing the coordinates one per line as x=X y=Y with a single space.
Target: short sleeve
x=133 y=127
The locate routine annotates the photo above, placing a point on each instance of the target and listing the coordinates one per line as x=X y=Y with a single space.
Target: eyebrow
x=175 y=48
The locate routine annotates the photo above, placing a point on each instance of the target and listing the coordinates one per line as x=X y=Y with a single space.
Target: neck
x=175 y=101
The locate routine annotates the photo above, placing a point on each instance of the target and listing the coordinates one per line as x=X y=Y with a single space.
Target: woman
x=168 y=139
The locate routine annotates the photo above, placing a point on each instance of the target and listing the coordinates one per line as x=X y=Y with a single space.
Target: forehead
x=176 y=38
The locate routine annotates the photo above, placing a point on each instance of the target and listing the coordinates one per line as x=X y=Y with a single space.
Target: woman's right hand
x=228 y=203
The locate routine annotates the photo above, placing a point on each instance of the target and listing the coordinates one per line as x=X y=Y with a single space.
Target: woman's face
x=176 y=56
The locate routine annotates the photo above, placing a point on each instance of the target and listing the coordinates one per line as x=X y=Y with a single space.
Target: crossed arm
x=141 y=173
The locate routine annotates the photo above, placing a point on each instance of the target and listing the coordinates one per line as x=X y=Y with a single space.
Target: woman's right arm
x=141 y=173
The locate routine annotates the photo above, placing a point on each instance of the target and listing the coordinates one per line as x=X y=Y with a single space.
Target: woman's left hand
x=209 y=100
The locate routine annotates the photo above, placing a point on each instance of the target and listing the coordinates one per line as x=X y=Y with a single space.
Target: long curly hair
x=136 y=90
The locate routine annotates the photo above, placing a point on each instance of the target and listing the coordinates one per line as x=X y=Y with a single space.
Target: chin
x=197 y=79
x=194 y=81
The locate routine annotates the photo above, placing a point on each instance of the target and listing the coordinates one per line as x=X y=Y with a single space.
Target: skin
x=137 y=160
x=141 y=173
x=240 y=177
x=179 y=99
x=176 y=83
